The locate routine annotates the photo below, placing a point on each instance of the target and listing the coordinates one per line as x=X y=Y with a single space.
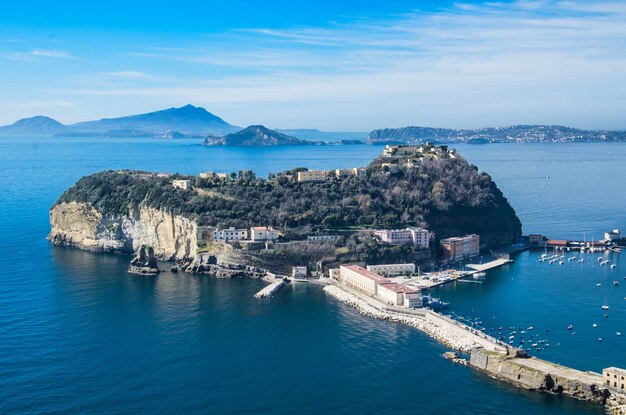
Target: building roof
x=398 y=288
x=365 y=273
x=616 y=370
x=262 y=228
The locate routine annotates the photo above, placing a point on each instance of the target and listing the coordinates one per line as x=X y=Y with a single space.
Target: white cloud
x=465 y=66
x=52 y=53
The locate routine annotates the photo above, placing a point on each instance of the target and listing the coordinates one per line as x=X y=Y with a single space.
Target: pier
x=489 y=265
x=271 y=289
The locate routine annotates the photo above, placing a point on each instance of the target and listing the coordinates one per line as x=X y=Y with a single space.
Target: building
x=401 y=150
x=182 y=184
x=359 y=171
x=334 y=273
x=212 y=175
x=230 y=234
x=361 y=279
x=343 y=173
x=556 y=243
x=392 y=269
x=399 y=295
x=536 y=239
x=263 y=233
x=614 y=377
x=460 y=247
x=374 y=284
x=322 y=238
x=299 y=272
x=417 y=236
x=313 y=176
x=614 y=235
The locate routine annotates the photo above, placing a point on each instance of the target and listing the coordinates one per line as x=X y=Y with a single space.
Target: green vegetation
x=447 y=195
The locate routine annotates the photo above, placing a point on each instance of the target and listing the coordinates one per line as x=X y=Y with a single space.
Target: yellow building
x=313 y=176
x=614 y=377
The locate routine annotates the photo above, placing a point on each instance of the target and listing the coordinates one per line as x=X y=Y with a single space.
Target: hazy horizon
x=354 y=66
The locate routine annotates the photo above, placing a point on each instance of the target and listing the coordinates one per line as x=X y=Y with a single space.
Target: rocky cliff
x=83 y=226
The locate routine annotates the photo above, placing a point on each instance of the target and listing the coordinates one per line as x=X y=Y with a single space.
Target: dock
x=489 y=265
x=271 y=289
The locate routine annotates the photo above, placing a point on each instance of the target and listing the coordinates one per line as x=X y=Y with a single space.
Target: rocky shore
x=220 y=268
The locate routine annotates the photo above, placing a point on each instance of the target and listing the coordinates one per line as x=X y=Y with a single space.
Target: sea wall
x=80 y=225
x=536 y=374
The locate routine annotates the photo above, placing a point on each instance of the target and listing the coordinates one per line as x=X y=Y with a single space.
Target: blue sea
x=79 y=335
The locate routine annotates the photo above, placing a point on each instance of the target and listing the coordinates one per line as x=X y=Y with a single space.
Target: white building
x=298 y=272
x=313 y=176
x=322 y=238
x=417 y=236
x=399 y=295
x=361 y=279
x=263 y=233
x=230 y=234
x=182 y=184
x=392 y=269
x=212 y=175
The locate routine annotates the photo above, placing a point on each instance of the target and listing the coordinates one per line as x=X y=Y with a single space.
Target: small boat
x=600 y=259
x=619 y=333
x=581 y=260
x=570 y=327
x=605 y=307
x=613 y=266
x=561 y=263
x=534 y=345
x=600 y=339
x=530 y=328
x=606 y=315
x=598 y=285
x=616 y=283
x=594 y=325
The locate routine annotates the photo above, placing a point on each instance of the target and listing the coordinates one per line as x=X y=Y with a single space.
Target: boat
x=561 y=262
x=570 y=327
x=530 y=328
x=479 y=275
x=600 y=339
x=581 y=260
x=605 y=307
x=619 y=333
x=616 y=283
x=598 y=285
x=613 y=266
x=534 y=345
x=606 y=315
x=594 y=325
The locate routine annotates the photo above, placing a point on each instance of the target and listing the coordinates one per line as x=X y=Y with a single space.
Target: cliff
x=82 y=226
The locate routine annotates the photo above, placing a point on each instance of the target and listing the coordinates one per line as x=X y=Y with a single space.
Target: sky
x=333 y=65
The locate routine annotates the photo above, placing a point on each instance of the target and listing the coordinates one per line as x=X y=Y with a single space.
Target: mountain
x=187 y=120
x=512 y=134
x=256 y=136
x=38 y=125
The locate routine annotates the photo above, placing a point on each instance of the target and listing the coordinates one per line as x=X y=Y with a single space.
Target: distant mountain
x=256 y=136
x=38 y=125
x=513 y=134
x=187 y=120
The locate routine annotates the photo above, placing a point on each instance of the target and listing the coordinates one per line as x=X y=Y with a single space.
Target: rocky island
x=255 y=136
x=178 y=216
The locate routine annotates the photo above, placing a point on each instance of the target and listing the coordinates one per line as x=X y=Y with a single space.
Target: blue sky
x=333 y=65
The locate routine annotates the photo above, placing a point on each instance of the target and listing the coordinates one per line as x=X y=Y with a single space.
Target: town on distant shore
x=196 y=122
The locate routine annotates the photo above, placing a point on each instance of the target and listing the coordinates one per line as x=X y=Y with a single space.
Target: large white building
x=182 y=184
x=418 y=237
x=375 y=284
x=392 y=269
x=313 y=176
x=263 y=233
x=230 y=234
x=614 y=235
x=399 y=295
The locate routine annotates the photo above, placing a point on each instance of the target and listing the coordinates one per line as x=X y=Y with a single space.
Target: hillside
x=445 y=194
x=513 y=134
x=38 y=125
x=255 y=136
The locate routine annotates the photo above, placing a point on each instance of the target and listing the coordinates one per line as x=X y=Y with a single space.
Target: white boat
x=598 y=285
x=613 y=266
x=594 y=325
x=619 y=333
x=581 y=260
x=561 y=262
x=605 y=307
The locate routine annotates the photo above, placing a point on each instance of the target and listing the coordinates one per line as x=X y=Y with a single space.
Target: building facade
x=358 y=277
x=416 y=236
x=614 y=235
x=181 y=184
x=460 y=247
x=392 y=269
x=615 y=378
x=535 y=239
x=230 y=234
x=299 y=272
x=322 y=238
x=313 y=176
x=263 y=233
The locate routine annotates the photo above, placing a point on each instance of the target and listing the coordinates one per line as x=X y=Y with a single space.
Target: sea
x=79 y=335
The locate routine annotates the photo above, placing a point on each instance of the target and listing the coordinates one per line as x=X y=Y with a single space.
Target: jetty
x=271 y=289
x=490 y=265
x=490 y=355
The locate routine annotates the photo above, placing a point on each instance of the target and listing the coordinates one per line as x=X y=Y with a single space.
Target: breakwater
x=490 y=356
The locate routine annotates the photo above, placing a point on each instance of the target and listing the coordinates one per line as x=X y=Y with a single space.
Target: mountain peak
x=37 y=125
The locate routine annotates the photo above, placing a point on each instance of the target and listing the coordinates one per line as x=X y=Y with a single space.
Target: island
x=321 y=218
x=256 y=136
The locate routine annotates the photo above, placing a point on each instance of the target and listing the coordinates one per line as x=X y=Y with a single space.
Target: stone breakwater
x=445 y=332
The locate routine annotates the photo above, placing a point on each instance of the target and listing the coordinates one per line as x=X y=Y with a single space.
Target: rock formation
x=144 y=262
